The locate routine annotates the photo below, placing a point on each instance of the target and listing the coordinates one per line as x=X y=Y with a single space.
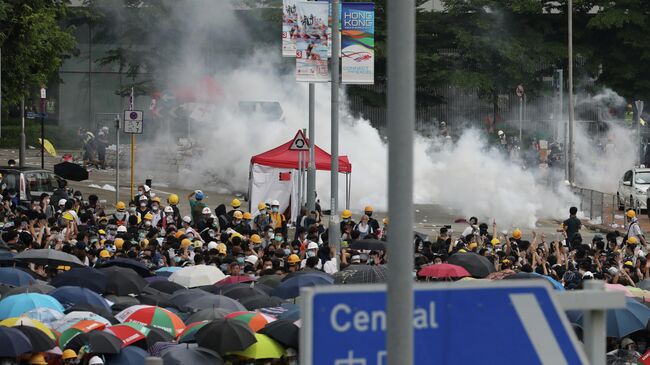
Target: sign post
x=133 y=124
x=639 y=110
x=43 y=106
x=117 y=158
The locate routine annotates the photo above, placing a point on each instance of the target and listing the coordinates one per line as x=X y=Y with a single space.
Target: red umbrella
x=442 y=271
x=234 y=280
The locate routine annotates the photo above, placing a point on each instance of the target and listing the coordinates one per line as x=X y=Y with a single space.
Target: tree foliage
x=33 y=43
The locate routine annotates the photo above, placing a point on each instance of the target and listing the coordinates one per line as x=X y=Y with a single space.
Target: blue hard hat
x=199 y=195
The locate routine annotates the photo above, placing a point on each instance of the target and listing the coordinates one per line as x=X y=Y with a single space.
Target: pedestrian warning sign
x=299 y=142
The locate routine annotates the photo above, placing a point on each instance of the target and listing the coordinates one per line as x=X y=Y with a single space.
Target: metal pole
x=21 y=150
x=117 y=159
x=571 y=174
x=42 y=137
x=334 y=234
x=401 y=124
x=0 y=91
x=521 y=123
x=311 y=172
x=132 y=101
x=595 y=328
x=639 y=110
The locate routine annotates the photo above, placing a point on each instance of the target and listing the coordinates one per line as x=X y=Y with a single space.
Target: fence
x=601 y=208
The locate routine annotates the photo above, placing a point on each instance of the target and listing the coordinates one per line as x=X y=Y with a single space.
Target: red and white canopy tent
x=276 y=174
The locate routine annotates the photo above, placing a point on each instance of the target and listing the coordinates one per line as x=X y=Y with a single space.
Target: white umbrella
x=199 y=275
x=73 y=318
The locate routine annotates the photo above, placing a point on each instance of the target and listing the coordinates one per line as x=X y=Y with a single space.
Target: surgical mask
x=275 y=209
x=278 y=238
x=287 y=252
x=240 y=260
x=139 y=193
x=263 y=211
x=132 y=209
x=147 y=223
x=177 y=259
x=143 y=204
x=311 y=253
x=346 y=220
x=211 y=233
x=154 y=208
x=236 y=221
x=270 y=235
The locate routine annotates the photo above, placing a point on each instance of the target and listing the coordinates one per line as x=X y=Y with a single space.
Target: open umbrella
x=128 y=333
x=123 y=281
x=166 y=271
x=45 y=315
x=181 y=298
x=153 y=316
x=369 y=244
x=28 y=322
x=122 y=301
x=97 y=342
x=183 y=354
x=15 y=277
x=478 y=266
x=160 y=300
x=14 y=343
x=48 y=256
x=71 y=295
x=534 y=275
x=132 y=264
x=157 y=335
x=128 y=356
x=225 y=335
x=198 y=275
x=71 y=171
x=260 y=301
x=644 y=284
x=83 y=326
x=166 y=286
x=621 y=322
x=362 y=274
x=234 y=279
x=187 y=336
x=213 y=301
x=254 y=320
x=18 y=304
x=85 y=277
x=207 y=314
x=40 y=341
x=33 y=288
x=264 y=348
x=291 y=288
x=6 y=255
x=83 y=307
x=239 y=291
x=270 y=280
x=310 y=272
x=73 y=318
x=284 y=331
x=443 y=271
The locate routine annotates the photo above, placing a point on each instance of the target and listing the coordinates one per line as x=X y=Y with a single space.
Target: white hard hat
x=312 y=245
x=252 y=259
x=187 y=219
x=275 y=203
x=212 y=245
x=169 y=209
x=121 y=228
x=144 y=198
x=147 y=188
x=62 y=201
x=206 y=210
x=95 y=360
x=500 y=133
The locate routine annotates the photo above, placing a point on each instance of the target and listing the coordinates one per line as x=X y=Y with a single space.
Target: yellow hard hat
x=172 y=199
x=101 y=231
x=148 y=216
x=179 y=233
x=631 y=213
x=385 y=221
x=473 y=245
x=247 y=215
x=67 y=216
x=516 y=233
x=628 y=263
x=120 y=206
x=104 y=254
x=68 y=354
x=119 y=243
x=632 y=241
x=256 y=239
x=293 y=259
x=38 y=359
x=235 y=203
x=368 y=209
x=222 y=248
x=346 y=214
x=462 y=250
x=237 y=214
x=155 y=200
x=261 y=206
x=495 y=241
x=185 y=243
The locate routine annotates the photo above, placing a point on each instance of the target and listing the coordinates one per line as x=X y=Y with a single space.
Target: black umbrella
x=207 y=314
x=225 y=335
x=180 y=298
x=308 y=272
x=284 y=331
x=14 y=343
x=168 y=287
x=85 y=307
x=137 y=266
x=158 y=300
x=98 y=342
x=123 y=281
x=85 y=277
x=184 y=354
x=123 y=301
x=157 y=335
x=270 y=280
x=47 y=256
x=6 y=255
x=36 y=288
x=39 y=340
x=239 y=291
x=71 y=171
x=369 y=244
x=644 y=284
x=478 y=266
x=362 y=274
x=213 y=301
x=260 y=301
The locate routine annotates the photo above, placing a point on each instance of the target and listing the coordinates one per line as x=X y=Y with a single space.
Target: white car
x=633 y=188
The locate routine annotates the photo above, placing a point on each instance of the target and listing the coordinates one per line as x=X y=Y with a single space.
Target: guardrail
x=602 y=208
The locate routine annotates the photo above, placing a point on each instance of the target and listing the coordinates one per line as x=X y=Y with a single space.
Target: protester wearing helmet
x=634 y=230
x=235 y=205
x=143 y=206
x=69 y=357
x=374 y=224
x=196 y=204
x=346 y=223
x=278 y=221
x=263 y=218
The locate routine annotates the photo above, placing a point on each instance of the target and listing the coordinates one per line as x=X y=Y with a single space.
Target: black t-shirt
x=573 y=226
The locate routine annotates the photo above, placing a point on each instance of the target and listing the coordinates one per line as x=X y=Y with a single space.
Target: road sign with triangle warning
x=299 y=142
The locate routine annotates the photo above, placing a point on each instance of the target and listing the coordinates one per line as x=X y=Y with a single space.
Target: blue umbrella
x=6 y=255
x=16 y=305
x=291 y=288
x=167 y=271
x=533 y=275
x=15 y=277
x=129 y=355
x=556 y=284
x=71 y=295
x=85 y=277
x=621 y=322
x=14 y=343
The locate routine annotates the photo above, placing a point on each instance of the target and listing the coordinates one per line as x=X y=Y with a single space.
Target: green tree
x=33 y=43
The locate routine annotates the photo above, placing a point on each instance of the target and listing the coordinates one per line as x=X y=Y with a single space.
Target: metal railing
x=602 y=208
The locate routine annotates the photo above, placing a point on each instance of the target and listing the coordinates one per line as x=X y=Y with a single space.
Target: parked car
x=30 y=182
x=633 y=187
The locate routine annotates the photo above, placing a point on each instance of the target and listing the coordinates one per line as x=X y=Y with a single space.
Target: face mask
x=143 y=204
x=275 y=209
x=346 y=220
x=132 y=209
x=240 y=260
x=263 y=211
x=270 y=235
x=154 y=208
x=278 y=238
x=211 y=233
x=147 y=223
x=139 y=193
x=311 y=253
x=287 y=252
x=177 y=259
x=236 y=222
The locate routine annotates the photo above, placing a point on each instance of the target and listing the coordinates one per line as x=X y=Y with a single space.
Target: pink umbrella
x=234 y=280
x=442 y=271
x=619 y=287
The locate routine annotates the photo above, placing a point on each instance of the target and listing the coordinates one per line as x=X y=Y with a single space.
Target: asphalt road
x=428 y=218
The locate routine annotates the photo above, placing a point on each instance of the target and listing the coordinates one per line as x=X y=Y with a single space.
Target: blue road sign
x=514 y=322
x=33 y=115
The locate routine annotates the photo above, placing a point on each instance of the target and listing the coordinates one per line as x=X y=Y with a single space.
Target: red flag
x=285 y=176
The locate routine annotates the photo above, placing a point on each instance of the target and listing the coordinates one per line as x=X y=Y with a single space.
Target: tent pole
x=349 y=191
